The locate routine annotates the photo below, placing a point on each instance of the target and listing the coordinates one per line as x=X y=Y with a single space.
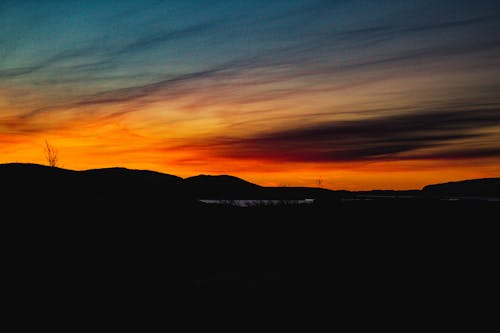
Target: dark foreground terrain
x=115 y=238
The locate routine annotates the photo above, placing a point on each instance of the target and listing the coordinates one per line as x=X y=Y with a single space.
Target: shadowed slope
x=230 y=187
x=222 y=187
x=91 y=192
x=470 y=187
x=121 y=187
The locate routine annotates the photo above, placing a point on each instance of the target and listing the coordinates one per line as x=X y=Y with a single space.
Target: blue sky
x=144 y=39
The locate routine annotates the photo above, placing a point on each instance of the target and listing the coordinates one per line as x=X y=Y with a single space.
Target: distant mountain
x=483 y=187
x=122 y=187
x=230 y=187
x=111 y=187
x=16 y=174
x=126 y=179
x=222 y=187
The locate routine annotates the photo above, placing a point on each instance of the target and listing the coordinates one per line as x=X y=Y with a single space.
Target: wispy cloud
x=380 y=138
x=292 y=51
x=18 y=71
x=319 y=53
x=148 y=41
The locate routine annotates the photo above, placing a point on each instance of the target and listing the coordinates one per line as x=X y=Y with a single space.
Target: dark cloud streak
x=19 y=71
x=380 y=138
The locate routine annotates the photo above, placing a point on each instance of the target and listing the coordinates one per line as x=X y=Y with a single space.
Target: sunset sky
x=353 y=95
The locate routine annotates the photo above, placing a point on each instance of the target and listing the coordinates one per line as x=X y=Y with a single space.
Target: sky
x=339 y=94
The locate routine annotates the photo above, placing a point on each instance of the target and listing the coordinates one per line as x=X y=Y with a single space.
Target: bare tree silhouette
x=51 y=154
x=319 y=182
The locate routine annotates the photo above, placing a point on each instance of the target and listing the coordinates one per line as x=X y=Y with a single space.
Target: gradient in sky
x=343 y=94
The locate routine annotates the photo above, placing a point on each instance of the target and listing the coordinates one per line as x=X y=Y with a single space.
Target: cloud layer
x=396 y=137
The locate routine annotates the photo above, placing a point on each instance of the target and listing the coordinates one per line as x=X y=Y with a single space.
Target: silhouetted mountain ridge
x=34 y=180
x=470 y=187
x=107 y=187
x=222 y=187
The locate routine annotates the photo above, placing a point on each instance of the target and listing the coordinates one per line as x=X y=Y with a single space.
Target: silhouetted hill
x=30 y=171
x=484 y=187
x=90 y=190
x=230 y=187
x=35 y=174
x=118 y=186
x=222 y=187
x=390 y=193
x=26 y=181
x=290 y=192
x=140 y=183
